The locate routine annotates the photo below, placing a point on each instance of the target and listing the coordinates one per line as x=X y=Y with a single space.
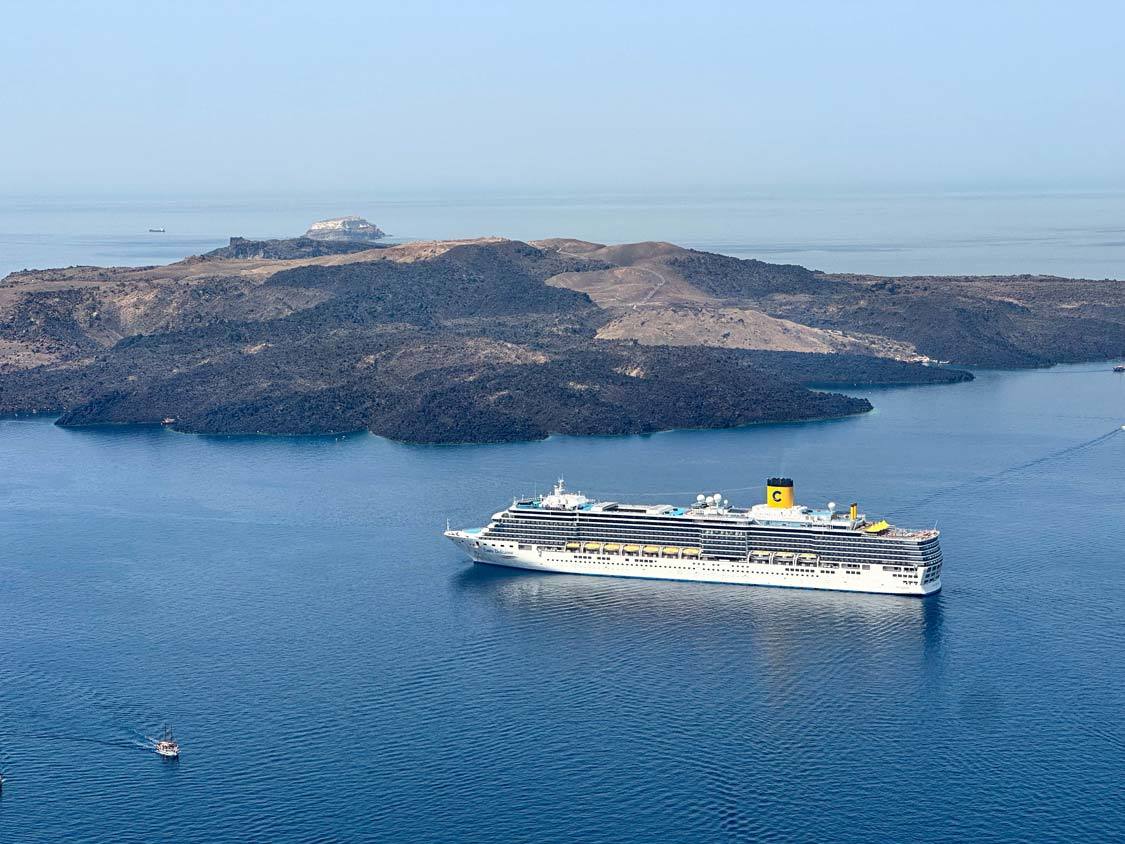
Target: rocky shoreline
x=493 y=340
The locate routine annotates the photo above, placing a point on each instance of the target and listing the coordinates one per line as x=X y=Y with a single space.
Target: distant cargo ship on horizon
x=776 y=543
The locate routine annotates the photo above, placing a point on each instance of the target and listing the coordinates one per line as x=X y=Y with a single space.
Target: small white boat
x=157 y=231
x=166 y=745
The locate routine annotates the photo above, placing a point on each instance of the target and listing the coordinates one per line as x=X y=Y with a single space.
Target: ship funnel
x=853 y=513
x=779 y=492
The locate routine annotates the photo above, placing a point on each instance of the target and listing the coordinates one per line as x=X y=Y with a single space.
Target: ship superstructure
x=775 y=543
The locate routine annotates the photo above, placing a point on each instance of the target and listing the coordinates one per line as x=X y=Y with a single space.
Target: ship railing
x=905 y=533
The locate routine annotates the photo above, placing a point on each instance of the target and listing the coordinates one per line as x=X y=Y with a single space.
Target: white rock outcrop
x=345 y=228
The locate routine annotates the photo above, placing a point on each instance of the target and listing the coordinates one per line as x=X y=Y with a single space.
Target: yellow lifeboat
x=573 y=546
x=760 y=555
x=593 y=546
x=632 y=549
x=807 y=558
x=612 y=547
x=691 y=552
x=785 y=557
x=671 y=551
x=879 y=527
x=652 y=549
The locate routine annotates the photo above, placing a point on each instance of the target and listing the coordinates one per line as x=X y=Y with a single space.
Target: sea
x=1068 y=233
x=336 y=670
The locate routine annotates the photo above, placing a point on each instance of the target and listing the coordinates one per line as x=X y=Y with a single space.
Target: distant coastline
x=491 y=340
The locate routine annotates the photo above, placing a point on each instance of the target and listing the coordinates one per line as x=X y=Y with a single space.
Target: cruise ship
x=775 y=543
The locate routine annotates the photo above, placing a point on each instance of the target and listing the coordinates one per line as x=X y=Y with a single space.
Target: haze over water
x=1077 y=233
x=336 y=670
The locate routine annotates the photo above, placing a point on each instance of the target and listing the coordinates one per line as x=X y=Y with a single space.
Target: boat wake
x=63 y=698
x=1009 y=471
x=69 y=737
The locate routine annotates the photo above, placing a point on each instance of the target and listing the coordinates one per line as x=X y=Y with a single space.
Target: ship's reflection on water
x=778 y=627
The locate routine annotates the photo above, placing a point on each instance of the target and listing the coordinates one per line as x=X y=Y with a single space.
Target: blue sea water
x=1068 y=233
x=337 y=671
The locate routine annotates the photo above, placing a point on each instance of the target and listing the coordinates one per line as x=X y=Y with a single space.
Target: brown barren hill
x=742 y=328
x=492 y=339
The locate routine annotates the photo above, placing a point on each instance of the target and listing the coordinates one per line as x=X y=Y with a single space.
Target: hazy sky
x=156 y=96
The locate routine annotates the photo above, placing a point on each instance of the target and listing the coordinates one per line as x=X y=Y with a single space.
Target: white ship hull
x=896 y=580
